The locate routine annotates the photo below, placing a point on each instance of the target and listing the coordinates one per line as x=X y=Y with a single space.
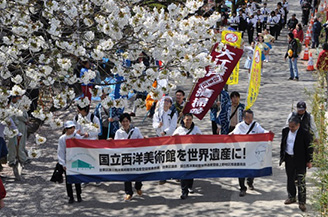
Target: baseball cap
x=69 y=124
x=301 y=105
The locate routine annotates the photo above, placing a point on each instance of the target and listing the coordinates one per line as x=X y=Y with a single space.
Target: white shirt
x=242 y=128
x=183 y=131
x=121 y=134
x=92 y=135
x=313 y=127
x=234 y=20
x=273 y=20
x=252 y=21
x=249 y=11
x=61 y=149
x=290 y=142
x=169 y=124
x=265 y=11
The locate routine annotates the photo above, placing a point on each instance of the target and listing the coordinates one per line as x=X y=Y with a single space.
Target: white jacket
x=134 y=131
x=183 y=131
x=242 y=128
x=61 y=149
x=169 y=124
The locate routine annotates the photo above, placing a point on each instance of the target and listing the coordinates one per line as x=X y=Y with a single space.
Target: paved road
x=37 y=196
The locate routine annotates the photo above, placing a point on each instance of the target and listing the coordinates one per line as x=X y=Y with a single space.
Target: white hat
x=168 y=97
x=69 y=124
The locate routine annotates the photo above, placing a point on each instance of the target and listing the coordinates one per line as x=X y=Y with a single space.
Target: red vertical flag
x=209 y=87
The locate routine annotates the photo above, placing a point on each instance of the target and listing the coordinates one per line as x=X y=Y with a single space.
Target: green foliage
x=320 y=149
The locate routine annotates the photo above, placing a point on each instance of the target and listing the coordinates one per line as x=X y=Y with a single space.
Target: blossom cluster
x=42 y=41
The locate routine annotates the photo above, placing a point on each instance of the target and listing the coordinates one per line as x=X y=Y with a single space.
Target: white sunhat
x=69 y=124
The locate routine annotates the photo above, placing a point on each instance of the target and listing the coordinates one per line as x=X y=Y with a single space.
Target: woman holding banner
x=68 y=133
x=127 y=131
x=187 y=128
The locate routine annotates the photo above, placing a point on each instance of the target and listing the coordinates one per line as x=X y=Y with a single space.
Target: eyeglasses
x=167 y=100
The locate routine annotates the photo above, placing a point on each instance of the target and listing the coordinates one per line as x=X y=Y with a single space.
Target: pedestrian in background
x=322 y=65
x=292 y=57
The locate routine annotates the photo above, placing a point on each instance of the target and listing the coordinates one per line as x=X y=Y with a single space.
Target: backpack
x=299 y=46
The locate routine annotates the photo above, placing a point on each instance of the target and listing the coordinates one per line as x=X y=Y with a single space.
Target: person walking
x=127 y=131
x=83 y=108
x=316 y=33
x=292 y=57
x=187 y=128
x=165 y=120
x=18 y=153
x=298 y=32
x=247 y=126
x=322 y=65
x=108 y=119
x=296 y=152
x=68 y=133
x=306 y=120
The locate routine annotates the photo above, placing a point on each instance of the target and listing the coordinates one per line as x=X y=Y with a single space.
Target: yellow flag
x=233 y=79
x=232 y=38
x=255 y=78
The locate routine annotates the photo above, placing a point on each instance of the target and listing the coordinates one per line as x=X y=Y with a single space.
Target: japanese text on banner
x=232 y=38
x=171 y=157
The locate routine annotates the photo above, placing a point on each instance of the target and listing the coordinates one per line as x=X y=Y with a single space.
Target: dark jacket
x=292 y=23
x=292 y=46
x=302 y=149
x=317 y=28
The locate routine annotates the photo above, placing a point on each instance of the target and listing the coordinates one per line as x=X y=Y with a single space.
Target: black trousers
x=295 y=173
x=250 y=32
x=250 y=181
x=128 y=187
x=105 y=133
x=305 y=16
x=185 y=184
x=214 y=128
x=69 y=189
x=315 y=41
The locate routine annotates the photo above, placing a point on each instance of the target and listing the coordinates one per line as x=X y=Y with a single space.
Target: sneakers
x=191 y=191
x=251 y=186
x=290 y=78
x=128 y=197
x=302 y=207
x=296 y=79
x=242 y=193
x=139 y=192
x=290 y=200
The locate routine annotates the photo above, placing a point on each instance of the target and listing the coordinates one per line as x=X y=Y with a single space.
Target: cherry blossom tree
x=42 y=41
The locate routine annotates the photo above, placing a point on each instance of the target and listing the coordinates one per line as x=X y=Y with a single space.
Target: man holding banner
x=188 y=128
x=247 y=126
